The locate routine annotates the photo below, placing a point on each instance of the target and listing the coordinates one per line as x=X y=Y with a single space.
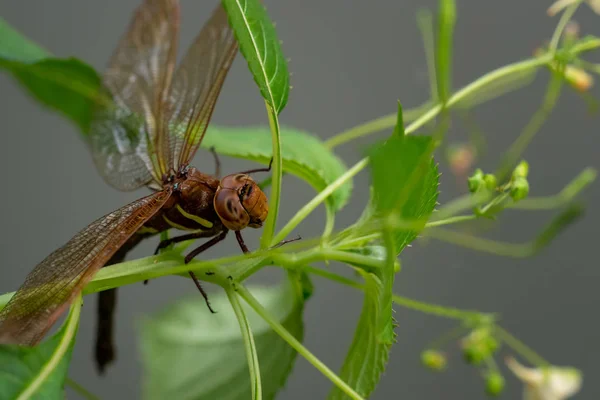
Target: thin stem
x=425 y=23
x=562 y=23
x=294 y=343
x=532 y=128
x=520 y=347
x=437 y=310
x=451 y=220
x=277 y=168
x=317 y=200
x=249 y=345
x=416 y=305
x=57 y=354
x=82 y=391
x=376 y=125
x=580 y=182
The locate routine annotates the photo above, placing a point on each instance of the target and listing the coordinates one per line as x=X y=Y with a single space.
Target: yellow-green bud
x=476 y=181
x=434 y=360
x=494 y=384
x=519 y=189
x=521 y=170
x=490 y=181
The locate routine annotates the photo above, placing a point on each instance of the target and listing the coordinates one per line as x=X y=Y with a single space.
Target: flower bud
x=476 y=181
x=434 y=360
x=519 y=189
x=521 y=170
x=491 y=182
x=494 y=383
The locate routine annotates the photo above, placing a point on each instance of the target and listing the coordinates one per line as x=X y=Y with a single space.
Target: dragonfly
x=147 y=132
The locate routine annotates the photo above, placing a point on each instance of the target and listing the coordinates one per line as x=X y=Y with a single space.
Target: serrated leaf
x=260 y=47
x=65 y=85
x=39 y=372
x=405 y=183
x=368 y=354
x=189 y=353
x=304 y=155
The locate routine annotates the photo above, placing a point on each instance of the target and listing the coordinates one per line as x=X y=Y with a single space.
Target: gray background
x=351 y=62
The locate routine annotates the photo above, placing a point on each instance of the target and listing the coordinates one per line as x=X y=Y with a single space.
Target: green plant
x=264 y=342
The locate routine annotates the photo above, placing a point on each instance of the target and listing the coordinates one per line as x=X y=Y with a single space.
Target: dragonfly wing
x=125 y=135
x=55 y=282
x=197 y=84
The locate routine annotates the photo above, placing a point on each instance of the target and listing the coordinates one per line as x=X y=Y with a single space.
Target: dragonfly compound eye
x=239 y=202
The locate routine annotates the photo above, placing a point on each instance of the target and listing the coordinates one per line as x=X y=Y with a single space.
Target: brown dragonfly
x=145 y=135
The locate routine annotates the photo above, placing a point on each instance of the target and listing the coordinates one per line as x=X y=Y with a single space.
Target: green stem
x=376 y=125
x=421 y=306
x=294 y=343
x=82 y=391
x=440 y=311
x=520 y=347
x=532 y=128
x=517 y=250
x=57 y=354
x=451 y=220
x=317 y=200
x=562 y=24
x=565 y=196
x=425 y=23
x=277 y=167
x=249 y=345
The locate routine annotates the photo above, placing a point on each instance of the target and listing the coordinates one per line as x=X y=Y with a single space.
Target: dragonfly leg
x=182 y=238
x=240 y=239
x=250 y=171
x=286 y=241
x=197 y=251
x=217 y=162
x=205 y=246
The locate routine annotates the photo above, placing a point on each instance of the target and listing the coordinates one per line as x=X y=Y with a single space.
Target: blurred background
x=351 y=61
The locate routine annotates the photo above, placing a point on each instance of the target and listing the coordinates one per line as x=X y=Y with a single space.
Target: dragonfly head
x=239 y=202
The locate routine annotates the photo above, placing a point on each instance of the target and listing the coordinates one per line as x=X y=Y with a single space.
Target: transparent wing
x=125 y=133
x=54 y=282
x=196 y=86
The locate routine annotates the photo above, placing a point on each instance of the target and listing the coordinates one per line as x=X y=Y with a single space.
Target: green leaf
x=66 y=85
x=399 y=128
x=369 y=352
x=405 y=184
x=189 y=353
x=259 y=45
x=304 y=155
x=14 y=46
x=39 y=372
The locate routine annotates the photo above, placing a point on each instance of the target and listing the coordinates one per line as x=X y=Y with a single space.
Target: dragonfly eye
x=239 y=202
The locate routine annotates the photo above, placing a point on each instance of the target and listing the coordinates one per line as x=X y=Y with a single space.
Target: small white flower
x=550 y=383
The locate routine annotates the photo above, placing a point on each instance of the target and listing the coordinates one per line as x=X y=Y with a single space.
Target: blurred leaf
x=189 y=353
x=369 y=353
x=261 y=48
x=15 y=46
x=304 y=155
x=65 y=85
x=39 y=372
x=399 y=128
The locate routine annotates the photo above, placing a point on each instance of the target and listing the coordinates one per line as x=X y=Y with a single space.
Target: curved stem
x=277 y=167
x=295 y=344
x=249 y=345
x=57 y=354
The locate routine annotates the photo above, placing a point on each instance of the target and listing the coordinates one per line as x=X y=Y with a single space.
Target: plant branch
x=294 y=343
x=249 y=345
